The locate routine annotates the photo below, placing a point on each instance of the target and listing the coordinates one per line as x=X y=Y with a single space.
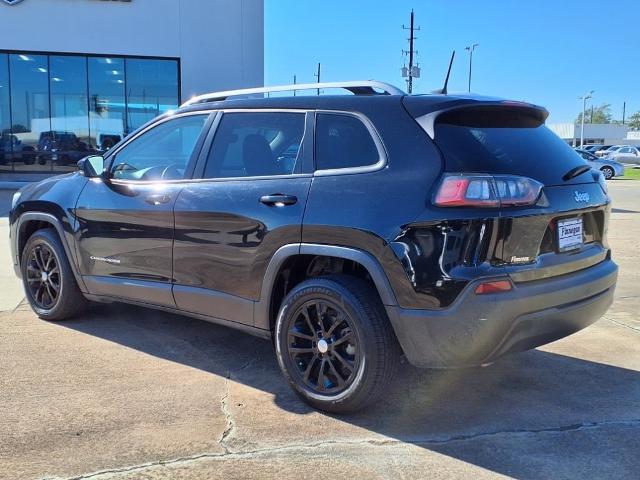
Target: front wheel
x=335 y=344
x=49 y=283
x=607 y=172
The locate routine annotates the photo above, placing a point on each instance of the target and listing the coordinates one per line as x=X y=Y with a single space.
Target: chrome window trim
x=114 y=154
x=375 y=136
x=217 y=122
x=162 y=120
x=214 y=128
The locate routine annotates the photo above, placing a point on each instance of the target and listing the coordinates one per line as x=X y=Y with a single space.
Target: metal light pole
x=470 y=49
x=584 y=107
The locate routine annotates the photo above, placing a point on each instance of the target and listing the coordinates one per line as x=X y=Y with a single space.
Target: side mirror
x=91 y=166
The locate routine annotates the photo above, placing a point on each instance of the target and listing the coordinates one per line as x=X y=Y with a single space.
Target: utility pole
x=294 y=82
x=584 y=99
x=624 y=111
x=412 y=71
x=470 y=49
x=318 y=75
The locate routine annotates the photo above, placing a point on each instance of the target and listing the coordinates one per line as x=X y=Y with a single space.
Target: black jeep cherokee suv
x=347 y=228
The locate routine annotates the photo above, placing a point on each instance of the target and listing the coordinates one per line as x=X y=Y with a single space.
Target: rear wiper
x=574 y=172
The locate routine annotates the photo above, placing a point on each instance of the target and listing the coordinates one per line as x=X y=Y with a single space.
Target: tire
x=607 y=172
x=44 y=252
x=361 y=349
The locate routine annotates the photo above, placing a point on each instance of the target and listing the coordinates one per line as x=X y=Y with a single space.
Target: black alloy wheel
x=43 y=276
x=323 y=346
x=48 y=279
x=335 y=344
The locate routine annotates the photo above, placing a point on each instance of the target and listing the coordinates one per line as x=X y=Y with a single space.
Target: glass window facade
x=56 y=109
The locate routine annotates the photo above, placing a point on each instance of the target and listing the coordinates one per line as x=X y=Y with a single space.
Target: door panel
x=228 y=226
x=125 y=235
x=126 y=231
x=225 y=238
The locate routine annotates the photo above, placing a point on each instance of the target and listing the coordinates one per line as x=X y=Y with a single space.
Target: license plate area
x=570 y=234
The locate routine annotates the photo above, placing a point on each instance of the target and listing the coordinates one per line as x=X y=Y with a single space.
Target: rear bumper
x=477 y=329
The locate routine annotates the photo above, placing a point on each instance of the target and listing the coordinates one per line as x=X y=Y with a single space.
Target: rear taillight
x=496 y=286
x=471 y=190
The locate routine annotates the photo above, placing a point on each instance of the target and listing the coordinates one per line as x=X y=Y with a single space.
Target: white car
x=623 y=154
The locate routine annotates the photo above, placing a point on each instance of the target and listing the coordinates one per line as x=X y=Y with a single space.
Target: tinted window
x=152 y=89
x=107 y=103
x=256 y=144
x=30 y=117
x=343 y=141
x=6 y=139
x=69 y=112
x=161 y=153
x=625 y=150
x=503 y=140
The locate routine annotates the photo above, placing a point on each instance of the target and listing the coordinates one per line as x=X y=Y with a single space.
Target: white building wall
x=220 y=42
x=612 y=134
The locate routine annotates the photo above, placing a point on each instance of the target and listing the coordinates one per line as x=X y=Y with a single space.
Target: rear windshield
x=505 y=140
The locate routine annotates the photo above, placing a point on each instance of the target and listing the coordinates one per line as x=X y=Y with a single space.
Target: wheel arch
x=30 y=222
x=264 y=309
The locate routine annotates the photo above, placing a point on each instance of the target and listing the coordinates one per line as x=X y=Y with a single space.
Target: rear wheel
x=49 y=283
x=334 y=343
x=607 y=172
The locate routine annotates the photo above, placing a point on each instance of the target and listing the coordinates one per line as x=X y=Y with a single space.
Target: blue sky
x=543 y=51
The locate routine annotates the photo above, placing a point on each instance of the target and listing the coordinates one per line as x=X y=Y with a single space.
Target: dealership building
x=595 y=133
x=78 y=75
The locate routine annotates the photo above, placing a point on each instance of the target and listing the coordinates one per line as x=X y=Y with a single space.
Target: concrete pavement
x=11 y=293
x=131 y=393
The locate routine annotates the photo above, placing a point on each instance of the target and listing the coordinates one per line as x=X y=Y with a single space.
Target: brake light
x=470 y=190
x=493 y=287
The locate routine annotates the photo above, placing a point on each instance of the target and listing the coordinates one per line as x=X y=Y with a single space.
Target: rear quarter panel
x=366 y=210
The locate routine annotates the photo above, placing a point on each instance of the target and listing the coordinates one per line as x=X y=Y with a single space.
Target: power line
x=318 y=76
x=413 y=71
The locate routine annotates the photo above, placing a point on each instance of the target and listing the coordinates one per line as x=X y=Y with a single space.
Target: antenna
x=443 y=90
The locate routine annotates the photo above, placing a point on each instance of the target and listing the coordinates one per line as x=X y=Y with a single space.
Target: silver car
x=603 y=152
x=626 y=154
x=609 y=168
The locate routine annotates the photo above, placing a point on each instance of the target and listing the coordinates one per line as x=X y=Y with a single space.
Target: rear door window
x=343 y=141
x=502 y=140
x=250 y=144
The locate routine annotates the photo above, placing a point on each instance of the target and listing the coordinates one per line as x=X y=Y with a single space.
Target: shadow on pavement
x=527 y=394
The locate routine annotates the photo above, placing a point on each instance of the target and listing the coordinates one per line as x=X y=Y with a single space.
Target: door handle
x=157 y=199
x=278 y=200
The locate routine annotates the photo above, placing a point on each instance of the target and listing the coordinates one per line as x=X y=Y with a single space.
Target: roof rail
x=363 y=87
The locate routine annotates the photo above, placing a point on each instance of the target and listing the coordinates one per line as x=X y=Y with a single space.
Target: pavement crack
x=224 y=406
x=622 y=324
x=226 y=410
x=375 y=442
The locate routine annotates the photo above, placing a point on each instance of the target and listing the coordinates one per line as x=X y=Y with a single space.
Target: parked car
x=609 y=168
x=381 y=239
x=624 y=154
x=592 y=148
x=607 y=151
x=600 y=148
x=13 y=150
x=63 y=148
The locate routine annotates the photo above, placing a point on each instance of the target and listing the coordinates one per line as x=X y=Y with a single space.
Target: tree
x=599 y=114
x=633 y=121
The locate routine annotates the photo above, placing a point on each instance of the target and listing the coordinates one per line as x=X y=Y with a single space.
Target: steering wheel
x=172 y=172
x=124 y=167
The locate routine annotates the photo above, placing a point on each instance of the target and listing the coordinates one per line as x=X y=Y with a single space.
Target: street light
x=470 y=49
x=584 y=107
